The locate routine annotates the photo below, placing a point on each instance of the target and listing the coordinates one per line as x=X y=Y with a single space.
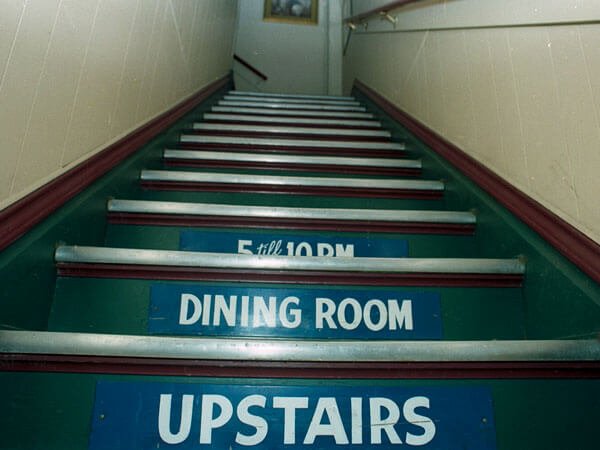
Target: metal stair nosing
x=245 y=216
x=102 y=262
x=291 y=121
x=332 y=164
x=233 y=182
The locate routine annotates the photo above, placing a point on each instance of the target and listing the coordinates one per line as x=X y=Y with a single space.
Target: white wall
x=522 y=99
x=77 y=75
x=296 y=58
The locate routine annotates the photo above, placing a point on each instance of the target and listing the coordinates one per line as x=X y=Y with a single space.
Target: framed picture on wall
x=292 y=11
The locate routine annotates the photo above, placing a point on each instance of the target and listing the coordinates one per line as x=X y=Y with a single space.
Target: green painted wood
x=54 y=411
x=167 y=238
x=308 y=201
x=121 y=307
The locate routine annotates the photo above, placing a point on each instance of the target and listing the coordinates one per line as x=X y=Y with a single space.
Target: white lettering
x=245 y=300
x=402 y=317
x=346 y=252
x=341 y=315
x=304 y=247
x=324 y=314
x=186 y=299
x=417 y=419
x=324 y=249
x=225 y=309
x=357 y=425
x=268 y=314
x=295 y=312
x=242 y=244
x=334 y=428
x=257 y=422
x=289 y=405
x=207 y=421
x=206 y=316
x=382 y=315
x=379 y=424
x=164 y=419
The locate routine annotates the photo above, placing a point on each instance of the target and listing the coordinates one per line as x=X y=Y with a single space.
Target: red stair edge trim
x=322 y=370
x=24 y=214
x=572 y=243
x=199 y=273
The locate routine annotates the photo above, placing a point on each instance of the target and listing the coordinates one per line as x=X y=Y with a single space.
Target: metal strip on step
x=294 y=112
x=304 y=101
x=270 y=142
x=289 y=130
x=271 y=212
x=272 y=180
x=203 y=348
x=292 y=106
x=292 y=120
x=292 y=159
x=173 y=258
x=305 y=96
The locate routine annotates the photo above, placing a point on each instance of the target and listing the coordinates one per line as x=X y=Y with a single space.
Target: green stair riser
x=120 y=306
x=54 y=411
x=167 y=238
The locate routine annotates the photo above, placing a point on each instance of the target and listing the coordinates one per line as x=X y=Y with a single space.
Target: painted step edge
x=294 y=106
x=147 y=175
x=173 y=258
x=274 y=129
x=301 y=96
x=136 y=212
x=292 y=121
x=64 y=343
x=292 y=112
x=288 y=100
x=211 y=209
x=292 y=159
x=271 y=142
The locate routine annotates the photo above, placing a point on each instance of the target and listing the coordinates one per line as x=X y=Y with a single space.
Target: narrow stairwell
x=292 y=273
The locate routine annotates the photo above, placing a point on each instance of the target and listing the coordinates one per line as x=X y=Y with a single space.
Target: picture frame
x=304 y=12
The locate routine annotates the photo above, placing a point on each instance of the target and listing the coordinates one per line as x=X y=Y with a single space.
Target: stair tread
x=293 y=106
x=270 y=142
x=290 y=100
x=176 y=258
x=158 y=207
x=286 y=158
x=291 y=120
x=292 y=112
x=268 y=94
x=290 y=130
x=272 y=180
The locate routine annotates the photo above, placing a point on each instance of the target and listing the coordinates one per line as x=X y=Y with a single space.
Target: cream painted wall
x=77 y=75
x=296 y=58
x=523 y=100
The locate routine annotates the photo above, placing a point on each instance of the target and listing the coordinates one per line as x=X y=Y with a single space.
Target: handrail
x=250 y=67
x=382 y=11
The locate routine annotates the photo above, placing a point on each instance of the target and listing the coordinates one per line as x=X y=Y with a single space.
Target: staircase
x=300 y=272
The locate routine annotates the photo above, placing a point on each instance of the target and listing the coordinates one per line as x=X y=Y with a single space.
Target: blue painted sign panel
x=291 y=245
x=195 y=416
x=293 y=313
